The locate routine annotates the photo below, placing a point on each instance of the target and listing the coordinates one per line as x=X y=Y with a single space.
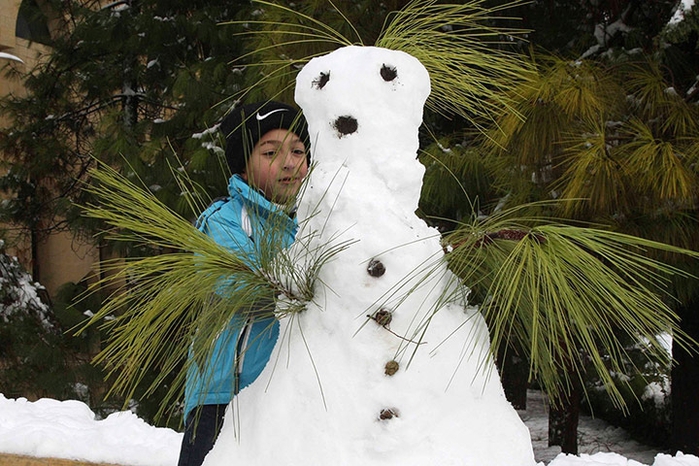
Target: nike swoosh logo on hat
x=262 y=117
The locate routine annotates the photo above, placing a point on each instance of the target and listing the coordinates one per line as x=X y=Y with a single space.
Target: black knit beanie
x=245 y=125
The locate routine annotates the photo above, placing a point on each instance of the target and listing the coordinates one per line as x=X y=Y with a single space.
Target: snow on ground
x=599 y=443
x=68 y=429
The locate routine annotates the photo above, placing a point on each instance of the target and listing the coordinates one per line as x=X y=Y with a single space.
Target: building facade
x=60 y=258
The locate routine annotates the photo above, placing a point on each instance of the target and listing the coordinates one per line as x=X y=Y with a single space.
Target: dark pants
x=200 y=431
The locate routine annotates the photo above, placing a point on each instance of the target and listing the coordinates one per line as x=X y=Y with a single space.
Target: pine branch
x=162 y=302
x=564 y=291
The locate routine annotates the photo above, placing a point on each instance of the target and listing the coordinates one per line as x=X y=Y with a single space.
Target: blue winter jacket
x=244 y=347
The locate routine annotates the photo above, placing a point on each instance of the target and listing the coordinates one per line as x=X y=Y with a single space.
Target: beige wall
x=11 y=44
x=63 y=259
x=8 y=18
x=60 y=258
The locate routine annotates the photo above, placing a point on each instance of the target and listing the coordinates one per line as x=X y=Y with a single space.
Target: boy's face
x=277 y=165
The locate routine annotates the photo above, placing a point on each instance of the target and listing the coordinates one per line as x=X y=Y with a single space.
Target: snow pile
x=682 y=8
x=613 y=459
x=69 y=429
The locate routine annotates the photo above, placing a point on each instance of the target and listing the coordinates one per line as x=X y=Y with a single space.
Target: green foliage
x=459 y=47
x=589 y=27
x=646 y=385
x=605 y=144
x=678 y=56
x=139 y=80
x=457 y=43
x=567 y=293
x=608 y=135
x=40 y=356
x=281 y=38
x=35 y=359
x=456 y=181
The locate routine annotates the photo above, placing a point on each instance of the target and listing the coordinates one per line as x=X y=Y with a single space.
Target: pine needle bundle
x=569 y=294
x=167 y=305
x=468 y=59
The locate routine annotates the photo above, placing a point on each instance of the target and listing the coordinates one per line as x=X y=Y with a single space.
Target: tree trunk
x=564 y=413
x=563 y=422
x=684 y=383
x=514 y=374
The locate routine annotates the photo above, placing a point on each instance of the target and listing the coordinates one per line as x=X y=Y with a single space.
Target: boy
x=266 y=150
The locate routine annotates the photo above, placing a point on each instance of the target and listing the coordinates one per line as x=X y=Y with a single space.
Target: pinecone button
x=375 y=268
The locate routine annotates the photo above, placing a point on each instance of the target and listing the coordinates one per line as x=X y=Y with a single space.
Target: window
x=32 y=23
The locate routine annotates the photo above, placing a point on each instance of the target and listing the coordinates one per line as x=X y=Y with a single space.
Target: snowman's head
x=364 y=108
x=360 y=95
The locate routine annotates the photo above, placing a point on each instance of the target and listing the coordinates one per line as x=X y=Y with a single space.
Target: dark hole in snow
x=376 y=268
x=322 y=80
x=346 y=125
x=388 y=73
x=388 y=413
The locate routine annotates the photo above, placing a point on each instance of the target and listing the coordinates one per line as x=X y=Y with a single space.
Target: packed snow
x=69 y=429
x=9 y=56
x=19 y=291
x=375 y=376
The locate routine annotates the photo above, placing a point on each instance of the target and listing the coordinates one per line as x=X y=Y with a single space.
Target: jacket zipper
x=240 y=350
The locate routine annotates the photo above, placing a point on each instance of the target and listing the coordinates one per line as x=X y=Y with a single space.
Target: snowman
x=388 y=365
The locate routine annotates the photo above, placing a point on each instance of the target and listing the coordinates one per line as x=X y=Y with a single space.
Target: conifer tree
x=137 y=84
x=609 y=139
x=131 y=83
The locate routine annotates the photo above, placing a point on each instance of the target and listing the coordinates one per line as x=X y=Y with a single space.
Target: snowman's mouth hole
x=345 y=125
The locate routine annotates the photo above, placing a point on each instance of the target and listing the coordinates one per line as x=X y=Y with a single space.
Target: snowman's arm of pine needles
x=160 y=301
x=566 y=293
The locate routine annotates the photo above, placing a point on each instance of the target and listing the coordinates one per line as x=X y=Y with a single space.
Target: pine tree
x=612 y=125
x=136 y=83
x=601 y=144
x=32 y=353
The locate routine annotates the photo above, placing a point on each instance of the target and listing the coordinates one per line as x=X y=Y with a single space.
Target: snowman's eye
x=388 y=73
x=321 y=81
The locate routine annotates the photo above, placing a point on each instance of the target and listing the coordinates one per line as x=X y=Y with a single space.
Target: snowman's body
x=370 y=374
